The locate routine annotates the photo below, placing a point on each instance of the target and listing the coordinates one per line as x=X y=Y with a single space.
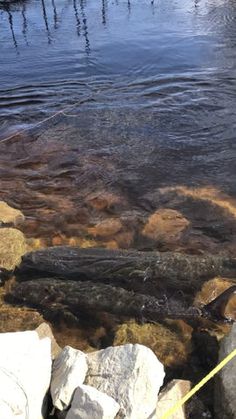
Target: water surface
x=153 y=84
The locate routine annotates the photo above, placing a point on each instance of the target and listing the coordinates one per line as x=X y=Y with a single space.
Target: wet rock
x=44 y=330
x=172 y=347
x=166 y=225
x=131 y=374
x=212 y=289
x=171 y=394
x=103 y=200
x=225 y=384
x=86 y=297
x=144 y=269
x=69 y=371
x=88 y=402
x=25 y=373
x=106 y=228
x=12 y=248
x=10 y=216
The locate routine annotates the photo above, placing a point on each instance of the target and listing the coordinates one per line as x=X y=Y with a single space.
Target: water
x=153 y=126
x=144 y=159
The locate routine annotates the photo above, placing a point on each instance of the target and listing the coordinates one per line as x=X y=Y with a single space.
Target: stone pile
x=116 y=382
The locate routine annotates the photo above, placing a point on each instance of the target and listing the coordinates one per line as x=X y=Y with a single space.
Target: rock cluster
x=123 y=380
x=12 y=241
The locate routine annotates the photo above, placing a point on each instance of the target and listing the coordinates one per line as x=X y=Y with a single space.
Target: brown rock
x=12 y=248
x=212 y=289
x=166 y=225
x=10 y=216
x=106 y=228
x=171 y=394
x=45 y=331
x=103 y=200
x=170 y=346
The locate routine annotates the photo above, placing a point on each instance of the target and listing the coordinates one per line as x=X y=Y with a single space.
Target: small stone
x=131 y=374
x=172 y=393
x=12 y=248
x=44 y=330
x=69 y=371
x=166 y=225
x=103 y=200
x=90 y=403
x=10 y=216
x=225 y=383
x=106 y=228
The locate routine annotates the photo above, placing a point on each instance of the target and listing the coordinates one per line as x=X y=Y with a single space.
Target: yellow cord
x=211 y=374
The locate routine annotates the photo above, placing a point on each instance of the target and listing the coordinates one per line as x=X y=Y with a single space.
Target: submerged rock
x=143 y=270
x=225 y=388
x=12 y=248
x=69 y=371
x=106 y=228
x=131 y=374
x=166 y=225
x=90 y=403
x=10 y=216
x=170 y=346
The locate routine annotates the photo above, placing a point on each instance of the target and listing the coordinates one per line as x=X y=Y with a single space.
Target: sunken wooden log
x=76 y=297
x=146 y=272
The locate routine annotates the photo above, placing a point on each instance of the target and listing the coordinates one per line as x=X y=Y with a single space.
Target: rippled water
x=153 y=126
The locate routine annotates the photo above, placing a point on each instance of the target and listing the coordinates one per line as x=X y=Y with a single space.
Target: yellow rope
x=211 y=374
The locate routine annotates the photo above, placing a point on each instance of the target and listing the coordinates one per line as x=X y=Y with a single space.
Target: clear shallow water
x=154 y=87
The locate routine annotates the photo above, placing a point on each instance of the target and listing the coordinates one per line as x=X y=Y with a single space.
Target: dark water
x=154 y=122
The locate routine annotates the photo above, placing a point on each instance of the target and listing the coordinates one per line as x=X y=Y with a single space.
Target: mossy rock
x=10 y=216
x=170 y=344
x=12 y=248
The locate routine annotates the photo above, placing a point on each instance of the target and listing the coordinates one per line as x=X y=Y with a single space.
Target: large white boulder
x=69 y=371
x=90 y=403
x=25 y=373
x=131 y=374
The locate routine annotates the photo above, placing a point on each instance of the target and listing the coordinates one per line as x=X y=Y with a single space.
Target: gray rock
x=69 y=371
x=131 y=374
x=225 y=382
x=90 y=403
x=25 y=373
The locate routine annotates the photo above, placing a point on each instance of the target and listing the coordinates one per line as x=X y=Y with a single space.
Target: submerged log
x=76 y=297
x=146 y=272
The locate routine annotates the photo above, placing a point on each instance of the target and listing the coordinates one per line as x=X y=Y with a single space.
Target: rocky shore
x=121 y=319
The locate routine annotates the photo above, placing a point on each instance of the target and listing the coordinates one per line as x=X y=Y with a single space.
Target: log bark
x=76 y=297
x=146 y=272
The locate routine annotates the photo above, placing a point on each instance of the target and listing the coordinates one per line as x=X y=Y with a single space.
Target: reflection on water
x=153 y=129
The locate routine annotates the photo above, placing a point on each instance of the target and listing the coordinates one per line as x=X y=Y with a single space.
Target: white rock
x=171 y=394
x=131 y=374
x=90 y=403
x=69 y=371
x=25 y=373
